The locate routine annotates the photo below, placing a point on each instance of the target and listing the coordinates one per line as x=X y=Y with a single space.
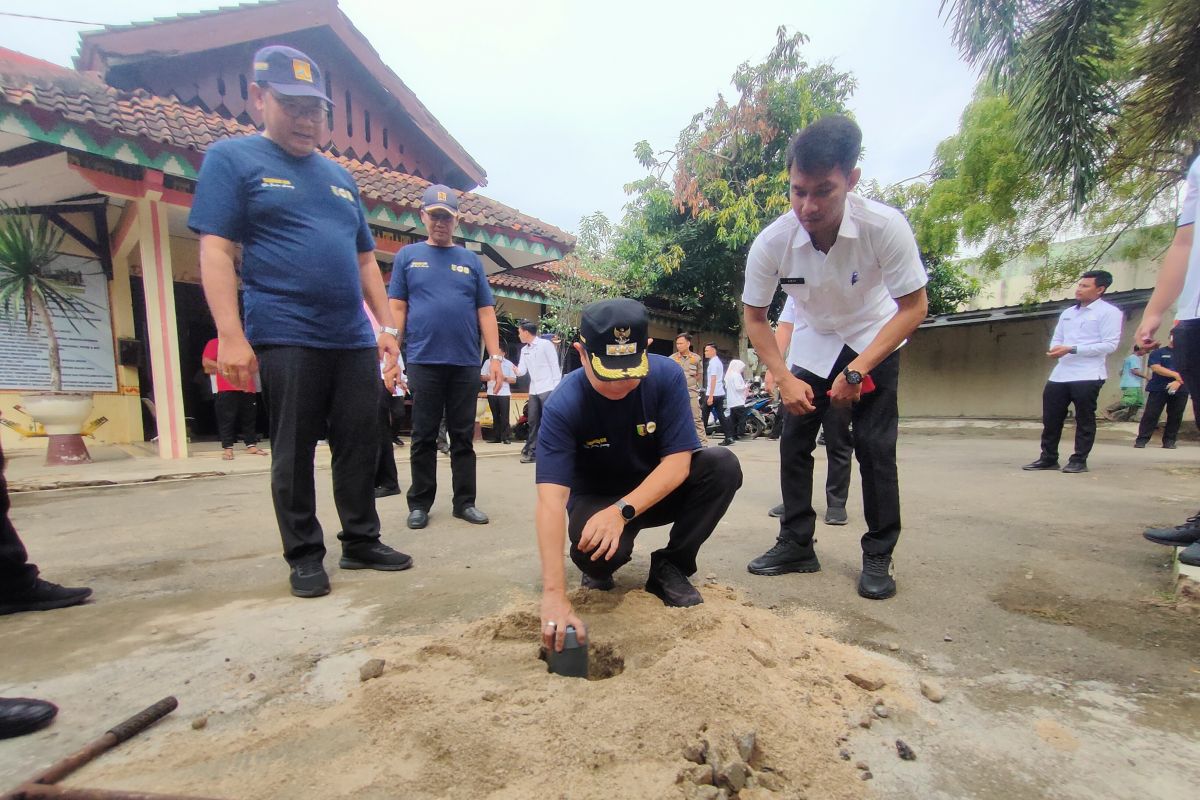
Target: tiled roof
x=82 y=98
x=538 y=278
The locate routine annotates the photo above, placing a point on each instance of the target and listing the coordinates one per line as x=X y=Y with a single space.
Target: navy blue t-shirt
x=301 y=228
x=599 y=446
x=445 y=287
x=1161 y=356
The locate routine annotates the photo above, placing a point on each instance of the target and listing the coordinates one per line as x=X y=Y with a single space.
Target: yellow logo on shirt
x=302 y=70
x=592 y=444
x=345 y=194
x=277 y=183
x=461 y=268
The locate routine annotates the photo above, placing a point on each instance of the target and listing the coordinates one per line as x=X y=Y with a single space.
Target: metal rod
x=31 y=791
x=115 y=735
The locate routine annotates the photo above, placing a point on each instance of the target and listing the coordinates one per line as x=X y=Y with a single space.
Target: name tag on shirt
x=791 y=281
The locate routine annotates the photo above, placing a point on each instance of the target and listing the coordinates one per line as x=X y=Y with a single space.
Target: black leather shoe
x=668 y=584
x=1169 y=446
x=1139 y=445
x=776 y=511
x=527 y=459
x=1042 y=463
x=836 y=516
x=599 y=584
x=876 y=581
x=1190 y=555
x=376 y=555
x=472 y=515
x=309 y=580
x=726 y=443
x=386 y=491
x=1073 y=467
x=21 y=715
x=418 y=519
x=1179 y=536
x=786 y=556
x=44 y=596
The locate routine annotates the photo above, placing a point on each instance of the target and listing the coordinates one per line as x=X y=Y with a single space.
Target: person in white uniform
x=539 y=360
x=854 y=271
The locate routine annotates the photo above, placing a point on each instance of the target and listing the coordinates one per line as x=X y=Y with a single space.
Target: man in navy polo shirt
x=441 y=301
x=308 y=262
x=617 y=453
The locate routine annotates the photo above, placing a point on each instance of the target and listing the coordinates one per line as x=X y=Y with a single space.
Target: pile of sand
x=473 y=713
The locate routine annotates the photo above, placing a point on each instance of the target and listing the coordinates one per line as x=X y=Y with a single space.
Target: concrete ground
x=1030 y=597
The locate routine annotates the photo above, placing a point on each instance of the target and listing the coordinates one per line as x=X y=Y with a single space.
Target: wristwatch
x=1074 y=350
x=395 y=332
x=497 y=358
x=853 y=376
x=628 y=512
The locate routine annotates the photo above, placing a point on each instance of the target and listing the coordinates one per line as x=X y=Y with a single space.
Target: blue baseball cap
x=289 y=72
x=439 y=196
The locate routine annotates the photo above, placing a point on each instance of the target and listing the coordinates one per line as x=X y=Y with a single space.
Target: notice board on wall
x=85 y=344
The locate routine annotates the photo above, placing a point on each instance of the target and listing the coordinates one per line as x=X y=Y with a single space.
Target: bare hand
x=1175 y=386
x=389 y=350
x=602 y=533
x=557 y=614
x=796 y=395
x=769 y=382
x=710 y=399
x=237 y=363
x=1058 y=351
x=842 y=393
x=497 y=373
x=1147 y=331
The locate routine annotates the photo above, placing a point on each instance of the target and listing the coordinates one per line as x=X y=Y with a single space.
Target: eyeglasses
x=440 y=216
x=298 y=109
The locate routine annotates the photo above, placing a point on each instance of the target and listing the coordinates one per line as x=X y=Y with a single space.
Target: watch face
x=853 y=378
x=627 y=511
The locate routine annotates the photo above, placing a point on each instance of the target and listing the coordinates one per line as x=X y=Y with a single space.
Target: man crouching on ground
x=617 y=453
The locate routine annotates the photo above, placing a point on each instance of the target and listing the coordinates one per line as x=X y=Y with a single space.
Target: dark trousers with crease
x=1175 y=404
x=17 y=575
x=385 y=465
x=718 y=409
x=309 y=393
x=451 y=390
x=501 y=427
x=237 y=415
x=839 y=452
x=533 y=415
x=1056 y=397
x=876 y=421
x=692 y=510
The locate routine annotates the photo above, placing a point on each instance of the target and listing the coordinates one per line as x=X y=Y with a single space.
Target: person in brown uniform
x=693 y=370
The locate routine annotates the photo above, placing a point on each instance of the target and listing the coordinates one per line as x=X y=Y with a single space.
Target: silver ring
x=551 y=624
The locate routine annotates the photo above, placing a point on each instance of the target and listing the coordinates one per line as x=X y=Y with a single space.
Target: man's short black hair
x=832 y=141
x=1102 y=277
x=713 y=345
x=684 y=335
x=529 y=327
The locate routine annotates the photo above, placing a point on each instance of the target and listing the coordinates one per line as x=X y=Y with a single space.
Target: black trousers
x=237 y=415
x=1055 y=399
x=385 y=465
x=439 y=389
x=717 y=408
x=692 y=510
x=17 y=575
x=533 y=414
x=736 y=415
x=501 y=427
x=839 y=452
x=876 y=421
x=310 y=393
x=1175 y=404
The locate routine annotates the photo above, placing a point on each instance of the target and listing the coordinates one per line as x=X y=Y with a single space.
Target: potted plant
x=29 y=245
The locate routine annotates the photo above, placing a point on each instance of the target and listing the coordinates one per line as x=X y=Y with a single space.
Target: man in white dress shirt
x=1084 y=336
x=539 y=360
x=853 y=269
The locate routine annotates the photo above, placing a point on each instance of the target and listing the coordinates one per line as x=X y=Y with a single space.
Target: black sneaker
x=669 y=584
x=786 y=556
x=599 y=584
x=836 y=516
x=44 y=596
x=376 y=555
x=1179 y=536
x=1074 y=467
x=1190 y=555
x=876 y=581
x=776 y=511
x=726 y=443
x=309 y=580
x=1043 y=463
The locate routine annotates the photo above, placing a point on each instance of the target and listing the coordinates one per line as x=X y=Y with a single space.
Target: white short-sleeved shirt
x=1189 y=299
x=715 y=370
x=842 y=298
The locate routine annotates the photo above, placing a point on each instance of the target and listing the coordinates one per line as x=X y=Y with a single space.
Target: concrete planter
x=62 y=415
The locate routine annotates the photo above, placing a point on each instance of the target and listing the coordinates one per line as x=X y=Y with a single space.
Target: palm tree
x=29 y=244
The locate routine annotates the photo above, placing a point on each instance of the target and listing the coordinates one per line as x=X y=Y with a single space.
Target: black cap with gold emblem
x=614 y=335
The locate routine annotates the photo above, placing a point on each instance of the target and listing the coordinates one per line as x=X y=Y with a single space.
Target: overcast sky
x=551 y=95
